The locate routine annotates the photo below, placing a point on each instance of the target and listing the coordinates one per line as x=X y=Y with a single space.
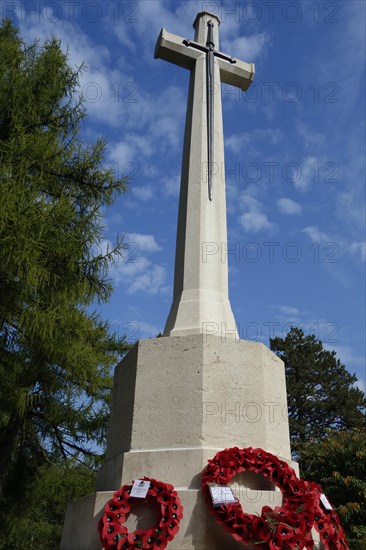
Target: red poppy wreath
x=114 y=534
x=286 y=527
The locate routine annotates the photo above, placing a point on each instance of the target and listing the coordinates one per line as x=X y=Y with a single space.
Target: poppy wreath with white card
x=114 y=535
x=285 y=527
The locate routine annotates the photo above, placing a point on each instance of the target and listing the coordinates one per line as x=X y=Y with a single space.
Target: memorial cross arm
x=175 y=49
x=172 y=48
x=240 y=74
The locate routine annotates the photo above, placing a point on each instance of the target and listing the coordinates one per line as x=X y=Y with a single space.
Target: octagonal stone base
x=199 y=391
x=176 y=402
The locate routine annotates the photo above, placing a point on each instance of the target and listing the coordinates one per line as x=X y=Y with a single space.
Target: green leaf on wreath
x=300 y=509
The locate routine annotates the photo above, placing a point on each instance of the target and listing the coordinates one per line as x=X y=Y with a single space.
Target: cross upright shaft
x=200 y=300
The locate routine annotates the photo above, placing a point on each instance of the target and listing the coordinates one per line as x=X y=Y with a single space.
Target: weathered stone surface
x=176 y=402
x=198 y=392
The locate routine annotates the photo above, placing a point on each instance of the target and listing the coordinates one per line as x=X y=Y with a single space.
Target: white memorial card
x=140 y=488
x=222 y=494
x=325 y=502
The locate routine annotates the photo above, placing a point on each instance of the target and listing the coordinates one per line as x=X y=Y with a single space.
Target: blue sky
x=294 y=147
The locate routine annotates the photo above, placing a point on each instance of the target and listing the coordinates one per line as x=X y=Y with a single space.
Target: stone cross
x=210 y=52
x=200 y=299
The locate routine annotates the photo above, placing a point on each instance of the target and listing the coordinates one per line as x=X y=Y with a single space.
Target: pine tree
x=320 y=391
x=55 y=354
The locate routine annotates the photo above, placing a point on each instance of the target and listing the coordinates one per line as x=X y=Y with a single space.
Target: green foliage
x=338 y=464
x=327 y=426
x=55 y=356
x=320 y=391
x=40 y=523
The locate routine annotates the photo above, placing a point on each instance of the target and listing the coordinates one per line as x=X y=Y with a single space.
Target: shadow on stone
x=206 y=533
x=143 y=515
x=251 y=480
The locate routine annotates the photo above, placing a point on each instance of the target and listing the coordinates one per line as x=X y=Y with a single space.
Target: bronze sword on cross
x=210 y=52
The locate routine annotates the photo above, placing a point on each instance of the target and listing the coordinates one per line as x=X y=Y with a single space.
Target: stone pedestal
x=176 y=402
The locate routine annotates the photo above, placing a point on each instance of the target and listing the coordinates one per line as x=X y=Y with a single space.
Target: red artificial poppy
x=114 y=534
x=176 y=507
x=123 y=544
x=260 y=529
x=288 y=526
x=309 y=544
x=298 y=523
x=149 y=538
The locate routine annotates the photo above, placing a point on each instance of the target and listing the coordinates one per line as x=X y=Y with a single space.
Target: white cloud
x=346 y=355
x=101 y=86
x=138 y=274
x=288 y=206
x=178 y=18
x=130 y=266
x=134 y=271
x=171 y=186
x=247 y=48
x=156 y=130
x=147 y=329
x=288 y=310
x=138 y=329
x=316 y=235
x=358 y=249
x=248 y=202
x=133 y=148
x=354 y=249
x=306 y=174
x=253 y=219
x=350 y=206
x=145 y=243
x=151 y=281
x=232 y=191
x=312 y=140
x=237 y=142
x=288 y=316
x=122 y=153
x=113 y=96
x=143 y=192
x=151 y=17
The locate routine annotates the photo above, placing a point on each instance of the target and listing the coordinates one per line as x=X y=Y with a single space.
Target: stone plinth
x=184 y=398
x=176 y=402
x=198 y=528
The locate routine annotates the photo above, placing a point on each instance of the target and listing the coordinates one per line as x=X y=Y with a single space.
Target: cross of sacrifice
x=201 y=286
